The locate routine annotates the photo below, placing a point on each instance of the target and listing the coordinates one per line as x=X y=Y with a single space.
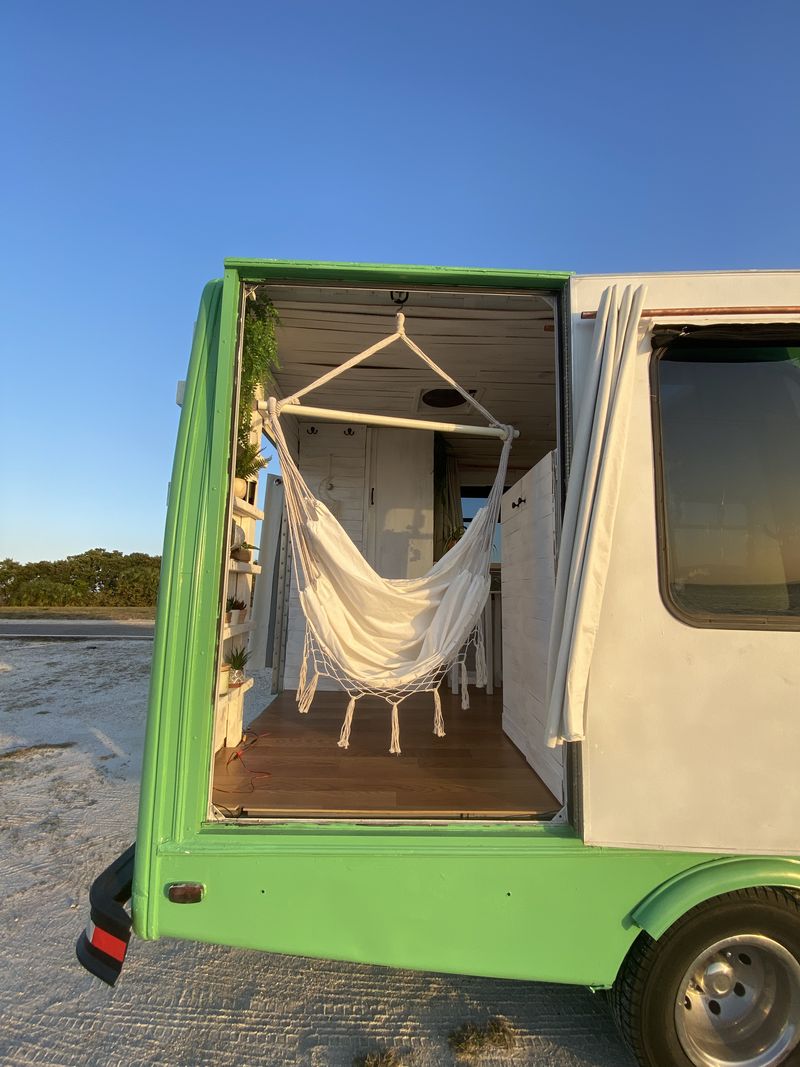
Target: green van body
x=506 y=900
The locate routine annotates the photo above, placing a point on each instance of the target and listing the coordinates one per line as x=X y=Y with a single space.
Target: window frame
x=664 y=339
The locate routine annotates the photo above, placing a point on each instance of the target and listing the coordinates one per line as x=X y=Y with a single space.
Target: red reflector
x=106 y=942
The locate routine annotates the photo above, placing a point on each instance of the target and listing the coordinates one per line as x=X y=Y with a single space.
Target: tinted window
x=730 y=480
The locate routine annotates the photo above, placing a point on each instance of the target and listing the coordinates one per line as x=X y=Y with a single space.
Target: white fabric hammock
x=591 y=507
x=385 y=637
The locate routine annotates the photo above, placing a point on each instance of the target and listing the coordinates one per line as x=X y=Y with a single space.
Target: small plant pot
x=242 y=555
x=239 y=617
x=224 y=679
x=240 y=487
x=229 y=617
x=237 y=679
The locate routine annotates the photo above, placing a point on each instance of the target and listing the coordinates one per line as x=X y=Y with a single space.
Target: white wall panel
x=528 y=577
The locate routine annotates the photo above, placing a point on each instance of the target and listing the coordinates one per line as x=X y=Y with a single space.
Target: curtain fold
x=448 y=516
x=590 y=511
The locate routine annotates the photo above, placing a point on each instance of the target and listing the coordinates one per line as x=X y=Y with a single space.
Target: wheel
x=721 y=988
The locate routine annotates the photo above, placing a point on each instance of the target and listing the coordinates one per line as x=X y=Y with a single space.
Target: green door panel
x=177 y=752
x=515 y=902
x=394 y=274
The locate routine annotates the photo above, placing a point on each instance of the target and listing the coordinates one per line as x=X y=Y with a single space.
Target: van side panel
x=692 y=733
x=527 y=902
x=177 y=743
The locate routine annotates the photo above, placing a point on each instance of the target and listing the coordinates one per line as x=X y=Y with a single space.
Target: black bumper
x=102 y=946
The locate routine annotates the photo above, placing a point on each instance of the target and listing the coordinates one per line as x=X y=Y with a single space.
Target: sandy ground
x=71 y=729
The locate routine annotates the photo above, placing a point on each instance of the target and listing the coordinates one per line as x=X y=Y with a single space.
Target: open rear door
x=527 y=515
x=688 y=721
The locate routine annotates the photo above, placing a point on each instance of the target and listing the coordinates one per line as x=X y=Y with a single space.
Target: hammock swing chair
x=375 y=636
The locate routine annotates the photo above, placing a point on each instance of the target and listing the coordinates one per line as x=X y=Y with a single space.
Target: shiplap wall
x=528 y=584
x=327 y=457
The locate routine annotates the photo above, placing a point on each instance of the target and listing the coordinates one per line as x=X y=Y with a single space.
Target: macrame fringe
x=394 y=747
x=306 y=695
x=480 y=659
x=464 y=687
x=344 y=736
x=301 y=681
x=438 y=718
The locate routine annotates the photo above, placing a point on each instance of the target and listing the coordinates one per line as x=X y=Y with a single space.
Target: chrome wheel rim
x=738 y=1004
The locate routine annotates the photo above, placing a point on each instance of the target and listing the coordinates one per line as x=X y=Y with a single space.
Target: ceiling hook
x=399 y=297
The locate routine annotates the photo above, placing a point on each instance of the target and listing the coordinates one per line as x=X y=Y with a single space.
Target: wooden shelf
x=243 y=568
x=234 y=631
x=241 y=507
x=246 y=684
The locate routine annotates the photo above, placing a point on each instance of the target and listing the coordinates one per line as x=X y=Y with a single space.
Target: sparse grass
x=387 y=1057
x=32 y=750
x=77 y=613
x=471 y=1040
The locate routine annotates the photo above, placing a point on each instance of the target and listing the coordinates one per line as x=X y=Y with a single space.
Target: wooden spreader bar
x=366 y=419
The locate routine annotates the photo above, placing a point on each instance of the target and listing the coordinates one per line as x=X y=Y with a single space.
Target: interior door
x=399 y=502
x=527 y=515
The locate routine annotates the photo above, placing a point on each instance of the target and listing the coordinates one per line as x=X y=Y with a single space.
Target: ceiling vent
x=443 y=398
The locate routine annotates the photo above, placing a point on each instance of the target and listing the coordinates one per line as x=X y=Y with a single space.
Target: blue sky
x=145 y=142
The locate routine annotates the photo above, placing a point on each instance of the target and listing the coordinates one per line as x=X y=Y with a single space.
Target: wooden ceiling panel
x=494 y=343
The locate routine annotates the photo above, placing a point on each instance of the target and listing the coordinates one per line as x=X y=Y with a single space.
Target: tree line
x=96 y=578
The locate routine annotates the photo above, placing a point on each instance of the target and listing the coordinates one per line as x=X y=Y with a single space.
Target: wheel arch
x=679 y=894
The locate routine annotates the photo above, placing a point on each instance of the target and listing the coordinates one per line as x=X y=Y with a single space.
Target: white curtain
x=592 y=495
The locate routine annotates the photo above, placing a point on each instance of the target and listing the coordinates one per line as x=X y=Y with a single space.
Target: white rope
x=394 y=747
x=438 y=718
x=305 y=697
x=399 y=335
x=344 y=736
x=464 y=687
x=480 y=658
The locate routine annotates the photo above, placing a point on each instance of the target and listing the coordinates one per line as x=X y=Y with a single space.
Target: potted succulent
x=249 y=463
x=243 y=553
x=229 y=609
x=224 y=678
x=238 y=611
x=237 y=661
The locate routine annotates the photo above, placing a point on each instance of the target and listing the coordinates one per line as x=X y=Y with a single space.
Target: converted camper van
x=525 y=580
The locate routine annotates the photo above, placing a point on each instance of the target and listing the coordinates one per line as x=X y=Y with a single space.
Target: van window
x=729 y=470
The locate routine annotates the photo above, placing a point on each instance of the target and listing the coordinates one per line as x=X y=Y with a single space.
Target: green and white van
x=653 y=850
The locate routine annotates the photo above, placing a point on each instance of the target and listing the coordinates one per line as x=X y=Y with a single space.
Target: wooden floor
x=292 y=765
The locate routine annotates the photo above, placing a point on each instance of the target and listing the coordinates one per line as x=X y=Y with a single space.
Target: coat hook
x=399 y=297
x=349 y=432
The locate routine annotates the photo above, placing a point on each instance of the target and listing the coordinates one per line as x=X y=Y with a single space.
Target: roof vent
x=443 y=398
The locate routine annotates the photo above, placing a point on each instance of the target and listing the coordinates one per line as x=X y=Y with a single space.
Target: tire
x=757 y=978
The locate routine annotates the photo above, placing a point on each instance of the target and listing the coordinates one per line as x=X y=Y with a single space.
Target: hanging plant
x=249 y=460
x=259 y=360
